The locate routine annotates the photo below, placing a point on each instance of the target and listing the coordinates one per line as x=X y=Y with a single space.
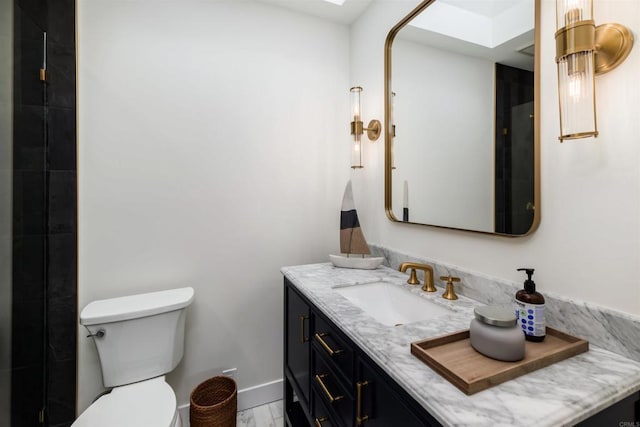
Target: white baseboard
x=247 y=398
x=260 y=394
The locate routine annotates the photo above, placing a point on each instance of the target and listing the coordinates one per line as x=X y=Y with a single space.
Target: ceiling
x=345 y=14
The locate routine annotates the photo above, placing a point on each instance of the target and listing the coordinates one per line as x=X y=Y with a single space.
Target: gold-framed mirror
x=462 y=122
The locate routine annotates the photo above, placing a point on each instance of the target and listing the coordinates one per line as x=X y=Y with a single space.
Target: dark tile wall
x=44 y=218
x=62 y=213
x=29 y=223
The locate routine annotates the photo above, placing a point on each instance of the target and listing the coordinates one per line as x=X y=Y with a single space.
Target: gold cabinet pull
x=320 y=420
x=325 y=389
x=331 y=352
x=360 y=419
x=303 y=318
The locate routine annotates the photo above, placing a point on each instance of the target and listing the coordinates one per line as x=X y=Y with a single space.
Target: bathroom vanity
x=344 y=367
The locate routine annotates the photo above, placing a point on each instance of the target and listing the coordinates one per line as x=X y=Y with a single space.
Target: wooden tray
x=453 y=357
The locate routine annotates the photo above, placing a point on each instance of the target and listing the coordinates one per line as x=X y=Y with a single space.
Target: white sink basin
x=390 y=304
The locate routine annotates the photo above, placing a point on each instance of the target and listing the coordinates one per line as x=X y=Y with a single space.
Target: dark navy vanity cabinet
x=297 y=319
x=329 y=381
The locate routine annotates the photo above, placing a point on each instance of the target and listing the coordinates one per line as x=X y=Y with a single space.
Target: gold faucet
x=413 y=280
x=449 y=293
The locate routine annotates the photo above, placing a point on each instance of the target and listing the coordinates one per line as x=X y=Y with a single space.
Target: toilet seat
x=150 y=403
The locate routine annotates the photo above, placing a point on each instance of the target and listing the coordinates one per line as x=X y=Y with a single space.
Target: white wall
x=588 y=243
x=451 y=143
x=6 y=144
x=213 y=149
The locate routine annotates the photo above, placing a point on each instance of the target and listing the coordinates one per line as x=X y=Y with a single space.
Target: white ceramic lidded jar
x=494 y=332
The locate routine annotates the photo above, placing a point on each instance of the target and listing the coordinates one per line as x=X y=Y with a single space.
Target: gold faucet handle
x=413 y=279
x=449 y=293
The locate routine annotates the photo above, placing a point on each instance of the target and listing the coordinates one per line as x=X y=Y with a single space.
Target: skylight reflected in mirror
x=502 y=30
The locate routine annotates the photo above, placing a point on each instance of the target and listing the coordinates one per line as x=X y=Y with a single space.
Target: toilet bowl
x=139 y=339
x=150 y=403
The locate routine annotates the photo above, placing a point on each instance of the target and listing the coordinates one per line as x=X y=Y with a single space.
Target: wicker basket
x=214 y=403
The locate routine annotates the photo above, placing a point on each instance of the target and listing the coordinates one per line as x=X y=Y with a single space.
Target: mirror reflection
x=462 y=140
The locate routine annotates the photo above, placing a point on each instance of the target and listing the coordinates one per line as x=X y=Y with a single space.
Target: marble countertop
x=564 y=393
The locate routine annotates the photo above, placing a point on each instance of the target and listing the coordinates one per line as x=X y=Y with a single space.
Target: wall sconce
x=357 y=129
x=582 y=52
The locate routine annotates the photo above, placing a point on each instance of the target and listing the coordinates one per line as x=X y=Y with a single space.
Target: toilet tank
x=138 y=337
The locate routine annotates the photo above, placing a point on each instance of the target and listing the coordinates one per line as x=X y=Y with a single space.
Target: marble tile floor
x=268 y=415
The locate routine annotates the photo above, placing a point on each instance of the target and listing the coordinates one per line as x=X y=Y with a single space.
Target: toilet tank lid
x=135 y=306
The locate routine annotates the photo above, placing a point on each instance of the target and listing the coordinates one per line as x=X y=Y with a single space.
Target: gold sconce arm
x=613 y=45
x=373 y=130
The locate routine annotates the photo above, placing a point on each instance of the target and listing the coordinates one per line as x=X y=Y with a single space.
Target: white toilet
x=139 y=339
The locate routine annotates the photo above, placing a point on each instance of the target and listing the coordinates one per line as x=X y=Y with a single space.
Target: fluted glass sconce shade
x=356 y=153
x=355 y=102
x=582 y=52
x=357 y=128
x=575 y=47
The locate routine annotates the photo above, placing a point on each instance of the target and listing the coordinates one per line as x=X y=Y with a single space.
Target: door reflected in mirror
x=462 y=129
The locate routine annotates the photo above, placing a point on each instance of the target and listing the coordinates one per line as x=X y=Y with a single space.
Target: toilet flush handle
x=101 y=333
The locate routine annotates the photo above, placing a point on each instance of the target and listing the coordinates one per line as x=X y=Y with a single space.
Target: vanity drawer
x=330 y=343
x=321 y=415
x=330 y=390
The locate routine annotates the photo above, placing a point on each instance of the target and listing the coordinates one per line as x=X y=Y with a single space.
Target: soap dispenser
x=530 y=309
